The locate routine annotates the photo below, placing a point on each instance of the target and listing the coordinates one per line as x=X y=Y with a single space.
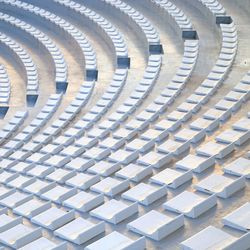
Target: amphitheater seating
x=149 y=151
x=5 y=89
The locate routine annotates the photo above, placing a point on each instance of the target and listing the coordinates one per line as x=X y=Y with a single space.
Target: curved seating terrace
x=135 y=127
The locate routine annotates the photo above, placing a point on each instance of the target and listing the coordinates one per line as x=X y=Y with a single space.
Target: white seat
x=19 y=235
x=60 y=175
x=154 y=159
x=134 y=172
x=123 y=133
x=190 y=204
x=42 y=243
x=214 y=114
x=110 y=186
x=210 y=237
x=80 y=230
x=139 y=145
x=220 y=185
x=215 y=149
x=154 y=135
x=40 y=171
x=114 y=211
x=124 y=157
x=104 y=168
x=112 y=143
x=84 y=201
x=15 y=199
x=53 y=218
x=37 y=158
x=32 y=208
x=242 y=124
x=232 y=136
x=86 y=142
x=21 y=182
x=205 y=124
x=72 y=151
x=239 y=167
x=190 y=135
x=58 y=194
x=7 y=222
x=145 y=194
x=173 y=147
x=156 y=225
x=80 y=164
x=172 y=177
x=4 y=192
x=6 y=176
x=39 y=186
x=195 y=163
x=57 y=161
x=239 y=218
x=96 y=153
x=117 y=241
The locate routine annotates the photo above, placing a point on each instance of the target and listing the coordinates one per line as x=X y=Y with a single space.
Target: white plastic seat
x=214 y=114
x=114 y=211
x=40 y=171
x=239 y=218
x=232 y=136
x=42 y=243
x=195 y=163
x=5 y=177
x=110 y=186
x=154 y=159
x=117 y=241
x=242 y=124
x=96 y=153
x=39 y=186
x=123 y=133
x=156 y=225
x=173 y=147
x=190 y=204
x=212 y=237
x=58 y=194
x=7 y=222
x=145 y=194
x=215 y=149
x=4 y=192
x=51 y=149
x=124 y=157
x=80 y=164
x=21 y=182
x=84 y=201
x=220 y=185
x=104 y=168
x=134 y=172
x=139 y=145
x=112 y=143
x=205 y=124
x=190 y=135
x=86 y=142
x=53 y=218
x=172 y=177
x=32 y=208
x=20 y=235
x=154 y=135
x=239 y=167
x=57 y=161
x=80 y=230
x=60 y=175
x=15 y=199
x=72 y=151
